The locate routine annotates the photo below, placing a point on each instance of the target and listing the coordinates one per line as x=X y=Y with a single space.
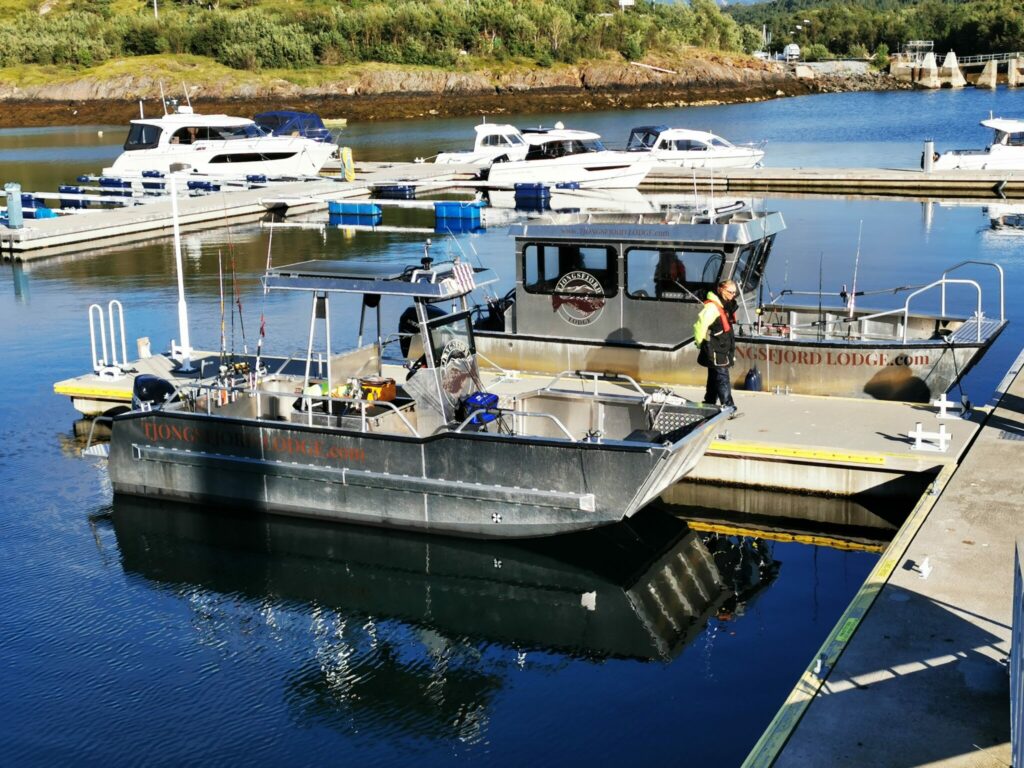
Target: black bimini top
x=446 y=280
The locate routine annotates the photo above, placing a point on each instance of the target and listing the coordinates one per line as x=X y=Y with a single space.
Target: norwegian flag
x=464 y=275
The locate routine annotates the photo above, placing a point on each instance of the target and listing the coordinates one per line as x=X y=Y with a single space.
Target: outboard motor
x=409 y=325
x=149 y=392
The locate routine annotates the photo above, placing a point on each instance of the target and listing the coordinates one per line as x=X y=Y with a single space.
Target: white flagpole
x=186 y=346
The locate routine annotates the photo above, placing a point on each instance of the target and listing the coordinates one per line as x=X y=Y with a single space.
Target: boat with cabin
x=1006 y=152
x=621 y=294
x=561 y=155
x=216 y=145
x=687 y=148
x=494 y=142
x=426 y=447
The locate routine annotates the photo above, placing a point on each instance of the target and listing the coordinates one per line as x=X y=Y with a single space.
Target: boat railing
x=996 y=267
x=596 y=376
x=502 y=412
x=221 y=394
x=905 y=310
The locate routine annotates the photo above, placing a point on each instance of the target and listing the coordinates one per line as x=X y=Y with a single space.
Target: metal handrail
x=308 y=400
x=607 y=375
x=997 y=267
x=503 y=412
x=906 y=306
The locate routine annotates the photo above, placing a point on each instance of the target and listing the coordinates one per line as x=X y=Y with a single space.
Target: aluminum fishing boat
x=216 y=145
x=623 y=297
x=437 y=450
x=685 y=148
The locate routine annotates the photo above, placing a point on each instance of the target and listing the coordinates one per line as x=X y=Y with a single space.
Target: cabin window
x=687 y=145
x=567 y=268
x=494 y=141
x=1015 y=140
x=750 y=265
x=142 y=136
x=671 y=274
x=716 y=142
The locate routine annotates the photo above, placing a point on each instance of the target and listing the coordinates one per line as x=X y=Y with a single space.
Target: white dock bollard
x=928 y=157
x=15 y=217
x=930 y=441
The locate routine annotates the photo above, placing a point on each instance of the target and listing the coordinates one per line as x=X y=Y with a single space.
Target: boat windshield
x=567 y=268
x=451 y=339
x=142 y=136
x=641 y=139
x=500 y=140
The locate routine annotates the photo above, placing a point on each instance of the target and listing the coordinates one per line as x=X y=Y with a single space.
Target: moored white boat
x=1006 y=152
x=564 y=156
x=215 y=145
x=686 y=148
x=493 y=141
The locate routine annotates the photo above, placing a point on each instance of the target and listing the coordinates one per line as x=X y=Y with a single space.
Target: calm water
x=142 y=634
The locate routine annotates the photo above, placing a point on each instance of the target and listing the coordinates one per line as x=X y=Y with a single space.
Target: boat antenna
x=220 y=280
x=821 y=314
x=163 y=99
x=856 y=264
x=185 y=353
x=187 y=99
x=141 y=112
x=263 y=306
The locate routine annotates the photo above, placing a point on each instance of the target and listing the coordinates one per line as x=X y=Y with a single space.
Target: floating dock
x=916 y=671
x=990 y=184
x=103 y=227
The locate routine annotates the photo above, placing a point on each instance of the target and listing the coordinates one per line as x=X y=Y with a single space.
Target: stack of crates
x=363 y=214
x=532 y=197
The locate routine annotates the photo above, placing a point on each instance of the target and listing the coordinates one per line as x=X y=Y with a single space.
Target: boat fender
x=752 y=382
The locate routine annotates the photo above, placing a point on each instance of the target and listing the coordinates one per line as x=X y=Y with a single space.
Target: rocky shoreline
x=380 y=93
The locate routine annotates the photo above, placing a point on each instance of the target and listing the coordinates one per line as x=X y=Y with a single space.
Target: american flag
x=464 y=275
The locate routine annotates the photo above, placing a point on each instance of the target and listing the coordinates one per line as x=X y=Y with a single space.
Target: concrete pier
x=989 y=76
x=915 y=672
x=950 y=74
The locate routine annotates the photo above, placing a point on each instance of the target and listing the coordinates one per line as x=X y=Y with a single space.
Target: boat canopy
x=425 y=281
x=287 y=122
x=1004 y=124
x=741 y=228
x=643 y=137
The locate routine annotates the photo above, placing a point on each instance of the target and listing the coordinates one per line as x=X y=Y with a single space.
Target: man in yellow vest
x=713 y=334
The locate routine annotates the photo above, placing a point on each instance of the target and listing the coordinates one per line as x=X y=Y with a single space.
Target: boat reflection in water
x=641 y=590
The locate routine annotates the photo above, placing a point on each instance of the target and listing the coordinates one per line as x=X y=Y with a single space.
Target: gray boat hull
x=913 y=371
x=466 y=484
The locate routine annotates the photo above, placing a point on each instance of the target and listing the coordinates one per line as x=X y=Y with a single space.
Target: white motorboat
x=692 y=149
x=493 y=142
x=563 y=156
x=1006 y=152
x=215 y=145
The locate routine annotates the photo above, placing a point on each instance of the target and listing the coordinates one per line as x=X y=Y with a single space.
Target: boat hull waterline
x=455 y=483
x=912 y=372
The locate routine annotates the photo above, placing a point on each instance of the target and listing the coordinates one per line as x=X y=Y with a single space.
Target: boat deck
x=915 y=671
x=784 y=442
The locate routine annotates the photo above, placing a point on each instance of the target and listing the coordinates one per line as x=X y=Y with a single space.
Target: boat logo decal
x=581 y=309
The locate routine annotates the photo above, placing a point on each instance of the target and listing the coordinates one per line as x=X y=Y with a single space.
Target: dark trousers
x=719 y=388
